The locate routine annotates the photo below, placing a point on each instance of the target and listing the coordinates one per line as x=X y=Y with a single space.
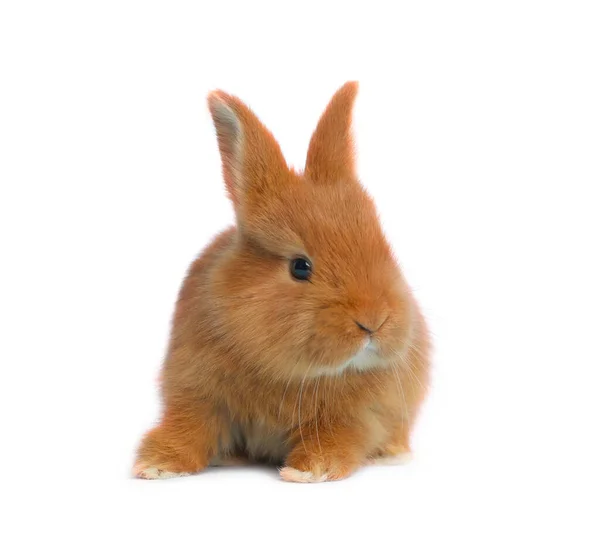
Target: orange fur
x=260 y=365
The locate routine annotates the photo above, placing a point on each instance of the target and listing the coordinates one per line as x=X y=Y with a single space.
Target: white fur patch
x=290 y=474
x=153 y=473
x=225 y=116
x=366 y=358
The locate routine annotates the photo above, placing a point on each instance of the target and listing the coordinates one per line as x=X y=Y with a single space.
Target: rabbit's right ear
x=252 y=160
x=331 y=151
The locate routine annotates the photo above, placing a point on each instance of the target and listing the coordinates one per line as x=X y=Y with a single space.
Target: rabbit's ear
x=252 y=160
x=331 y=151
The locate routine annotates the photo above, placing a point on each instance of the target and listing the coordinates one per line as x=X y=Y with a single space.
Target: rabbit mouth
x=367 y=357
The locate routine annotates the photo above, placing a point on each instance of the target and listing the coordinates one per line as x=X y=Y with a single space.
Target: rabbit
x=295 y=338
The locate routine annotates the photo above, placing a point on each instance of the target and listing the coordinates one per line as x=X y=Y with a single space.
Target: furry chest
x=259 y=441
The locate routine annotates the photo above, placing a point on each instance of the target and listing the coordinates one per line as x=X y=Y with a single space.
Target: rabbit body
x=295 y=338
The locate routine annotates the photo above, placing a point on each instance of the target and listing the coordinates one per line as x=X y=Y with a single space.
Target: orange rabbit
x=295 y=339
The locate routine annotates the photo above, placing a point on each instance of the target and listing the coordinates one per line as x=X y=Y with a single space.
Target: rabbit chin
x=366 y=358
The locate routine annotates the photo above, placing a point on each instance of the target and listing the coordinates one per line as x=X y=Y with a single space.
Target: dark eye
x=300 y=268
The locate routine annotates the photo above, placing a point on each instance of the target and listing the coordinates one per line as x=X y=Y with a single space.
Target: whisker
x=331 y=393
x=283 y=396
x=299 y=409
x=400 y=391
x=414 y=375
x=317 y=413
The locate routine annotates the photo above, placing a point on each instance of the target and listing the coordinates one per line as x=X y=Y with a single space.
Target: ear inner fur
x=252 y=160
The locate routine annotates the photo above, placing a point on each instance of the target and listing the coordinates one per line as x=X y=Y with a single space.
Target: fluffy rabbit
x=295 y=338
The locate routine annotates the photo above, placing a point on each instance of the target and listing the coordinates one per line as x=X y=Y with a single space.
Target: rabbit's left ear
x=331 y=151
x=253 y=164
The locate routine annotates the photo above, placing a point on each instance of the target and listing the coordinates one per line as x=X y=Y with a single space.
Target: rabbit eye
x=300 y=268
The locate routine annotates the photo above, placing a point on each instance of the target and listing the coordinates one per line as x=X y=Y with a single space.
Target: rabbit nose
x=371 y=328
x=363 y=328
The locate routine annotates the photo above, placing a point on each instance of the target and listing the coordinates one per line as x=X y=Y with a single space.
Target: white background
x=478 y=129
